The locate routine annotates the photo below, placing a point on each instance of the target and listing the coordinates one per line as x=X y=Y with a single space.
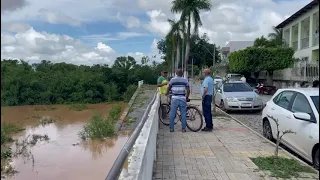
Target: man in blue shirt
x=207 y=93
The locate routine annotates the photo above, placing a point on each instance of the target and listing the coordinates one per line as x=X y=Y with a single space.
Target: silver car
x=238 y=96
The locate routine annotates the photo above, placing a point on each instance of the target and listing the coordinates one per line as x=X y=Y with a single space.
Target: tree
x=255 y=59
x=279 y=137
x=276 y=36
x=190 y=9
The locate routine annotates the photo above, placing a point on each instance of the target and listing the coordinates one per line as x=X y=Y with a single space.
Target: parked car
x=232 y=76
x=296 y=110
x=217 y=81
x=238 y=95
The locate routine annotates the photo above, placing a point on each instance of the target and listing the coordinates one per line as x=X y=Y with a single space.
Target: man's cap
x=164 y=71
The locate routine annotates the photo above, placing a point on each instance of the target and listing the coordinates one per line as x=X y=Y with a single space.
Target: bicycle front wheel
x=164 y=113
x=194 y=119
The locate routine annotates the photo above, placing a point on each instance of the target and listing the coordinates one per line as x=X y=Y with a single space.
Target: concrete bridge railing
x=141 y=157
x=143 y=154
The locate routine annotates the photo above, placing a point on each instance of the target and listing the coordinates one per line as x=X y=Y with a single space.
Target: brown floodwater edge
x=64 y=156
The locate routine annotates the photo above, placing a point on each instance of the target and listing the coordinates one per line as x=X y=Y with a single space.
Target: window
x=283 y=99
x=301 y=104
x=236 y=87
x=315 y=100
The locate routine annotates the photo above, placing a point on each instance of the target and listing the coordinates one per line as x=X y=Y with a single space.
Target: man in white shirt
x=243 y=79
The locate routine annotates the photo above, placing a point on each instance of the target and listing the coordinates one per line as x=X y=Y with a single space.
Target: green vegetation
x=100 y=127
x=6 y=132
x=78 y=107
x=61 y=83
x=255 y=59
x=286 y=168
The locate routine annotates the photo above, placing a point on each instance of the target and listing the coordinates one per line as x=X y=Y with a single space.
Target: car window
x=283 y=99
x=315 y=100
x=236 y=87
x=301 y=104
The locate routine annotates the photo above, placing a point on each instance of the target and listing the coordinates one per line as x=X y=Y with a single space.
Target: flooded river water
x=64 y=156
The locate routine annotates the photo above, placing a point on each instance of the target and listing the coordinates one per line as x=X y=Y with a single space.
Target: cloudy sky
x=97 y=31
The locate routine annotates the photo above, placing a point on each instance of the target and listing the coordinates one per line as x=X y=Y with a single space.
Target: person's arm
x=205 y=85
x=188 y=91
x=159 y=82
x=169 y=88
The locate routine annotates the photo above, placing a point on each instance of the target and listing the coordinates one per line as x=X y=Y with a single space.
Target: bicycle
x=192 y=112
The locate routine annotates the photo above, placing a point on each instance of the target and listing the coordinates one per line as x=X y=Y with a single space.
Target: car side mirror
x=302 y=116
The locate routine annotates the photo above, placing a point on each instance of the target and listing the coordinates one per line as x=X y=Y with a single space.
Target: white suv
x=296 y=110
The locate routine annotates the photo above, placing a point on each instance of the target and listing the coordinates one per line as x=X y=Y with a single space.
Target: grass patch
x=78 y=107
x=7 y=130
x=131 y=120
x=100 y=127
x=286 y=168
x=45 y=108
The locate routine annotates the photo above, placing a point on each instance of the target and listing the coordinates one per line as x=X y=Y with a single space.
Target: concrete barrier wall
x=143 y=154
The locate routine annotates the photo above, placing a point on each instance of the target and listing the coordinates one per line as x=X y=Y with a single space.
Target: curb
x=126 y=110
x=270 y=142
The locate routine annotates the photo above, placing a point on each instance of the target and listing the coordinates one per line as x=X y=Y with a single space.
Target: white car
x=296 y=110
x=238 y=96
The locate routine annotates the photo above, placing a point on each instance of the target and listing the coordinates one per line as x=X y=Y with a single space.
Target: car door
x=300 y=141
x=218 y=94
x=280 y=111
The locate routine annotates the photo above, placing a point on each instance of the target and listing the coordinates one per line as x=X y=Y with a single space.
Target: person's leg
x=209 y=104
x=207 y=112
x=183 y=110
x=173 y=112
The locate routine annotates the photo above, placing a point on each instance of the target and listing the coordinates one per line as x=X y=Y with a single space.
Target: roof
x=225 y=49
x=298 y=13
x=306 y=91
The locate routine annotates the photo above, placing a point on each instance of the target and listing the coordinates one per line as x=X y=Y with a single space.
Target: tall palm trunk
x=186 y=58
x=172 y=62
x=178 y=54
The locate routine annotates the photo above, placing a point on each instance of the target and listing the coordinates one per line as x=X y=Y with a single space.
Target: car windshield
x=315 y=100
x=236 y=87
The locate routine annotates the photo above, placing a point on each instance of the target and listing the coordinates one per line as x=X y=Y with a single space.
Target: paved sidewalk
x=223 y=154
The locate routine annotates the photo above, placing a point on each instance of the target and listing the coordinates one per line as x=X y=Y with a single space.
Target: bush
x=7 y=130
x=100 y=127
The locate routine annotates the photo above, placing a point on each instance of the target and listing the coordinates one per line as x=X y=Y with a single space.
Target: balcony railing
x=304 y=43
x=295 y=45
x=316 y=39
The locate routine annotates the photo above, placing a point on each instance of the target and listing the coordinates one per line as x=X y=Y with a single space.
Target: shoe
x=171 y=130
x=206 y=129
x=184 y=130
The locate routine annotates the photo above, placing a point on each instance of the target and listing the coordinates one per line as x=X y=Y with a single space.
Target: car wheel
x=267 y=131
x=316 y=159
x=222 y=107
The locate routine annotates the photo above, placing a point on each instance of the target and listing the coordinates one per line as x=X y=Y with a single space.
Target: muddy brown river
x=64 y=156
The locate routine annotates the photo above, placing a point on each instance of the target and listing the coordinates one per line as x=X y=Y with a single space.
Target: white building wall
x=301 y=53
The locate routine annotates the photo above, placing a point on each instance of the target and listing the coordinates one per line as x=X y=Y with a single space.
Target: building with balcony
x=301 y=32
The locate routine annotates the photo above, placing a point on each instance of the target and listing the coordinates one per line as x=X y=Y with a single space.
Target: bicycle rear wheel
x=164 y=114
x=194 y=119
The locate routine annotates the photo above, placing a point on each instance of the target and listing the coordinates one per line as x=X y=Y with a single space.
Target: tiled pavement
x=223 y=154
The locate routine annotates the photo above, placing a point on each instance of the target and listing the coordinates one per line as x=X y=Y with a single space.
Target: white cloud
x=12 y=5
x=228 y=20
x=34 y=46
x=232 y=19
x=58 y=18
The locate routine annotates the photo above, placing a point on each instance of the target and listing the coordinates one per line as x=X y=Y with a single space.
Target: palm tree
x=190 y=9
x=276 y=36
x=175 y=33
